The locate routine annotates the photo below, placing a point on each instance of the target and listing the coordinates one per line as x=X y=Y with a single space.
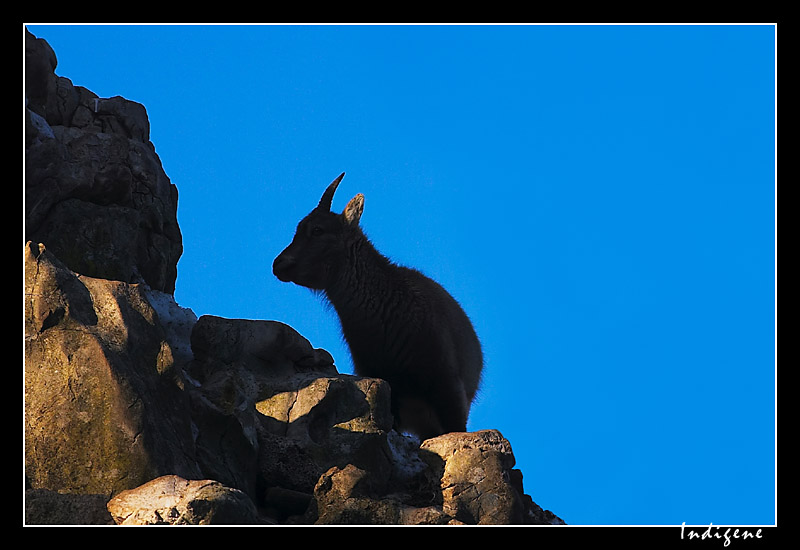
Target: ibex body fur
x=400 y=325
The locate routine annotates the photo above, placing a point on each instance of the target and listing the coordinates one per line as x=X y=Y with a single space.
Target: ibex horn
x=327 y=196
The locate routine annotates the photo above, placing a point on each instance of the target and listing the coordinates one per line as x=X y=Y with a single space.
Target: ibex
x=400 y=325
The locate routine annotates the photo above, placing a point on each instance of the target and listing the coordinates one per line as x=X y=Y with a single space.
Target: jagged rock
x=95 y=191
x=265 y=353
x=235 y=362
x=352 y=496
x=171 y=500
x=335 y=420
x=469 y=481
x=44 y=507
x=476 y=478
x=284 y=405
x=40 y=78
x=104 y=408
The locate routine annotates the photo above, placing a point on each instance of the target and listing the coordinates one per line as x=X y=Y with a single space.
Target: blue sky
x=600 y=199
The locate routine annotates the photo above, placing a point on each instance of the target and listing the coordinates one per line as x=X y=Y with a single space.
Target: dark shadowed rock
x=40 y=78
x=95 y=191
x=284 y=404
x=44 y=507
x=352 y=496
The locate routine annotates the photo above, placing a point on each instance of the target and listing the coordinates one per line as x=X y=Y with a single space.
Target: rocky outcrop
x=95 y=191
x=105 y=406
x=137 y=412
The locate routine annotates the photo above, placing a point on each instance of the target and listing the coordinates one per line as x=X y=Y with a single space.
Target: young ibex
x=400 y=326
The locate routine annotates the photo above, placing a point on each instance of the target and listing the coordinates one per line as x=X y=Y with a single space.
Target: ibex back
x=400 y=325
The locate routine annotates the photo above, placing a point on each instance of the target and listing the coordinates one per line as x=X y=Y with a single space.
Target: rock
x=268 y=351
x=104 y=407
x=172 y=500
x=177 y=323
x=36 y=129
x=44 y=507
x=61 y=103
x=476 y=478
x=342 y=496
x=236 y=362
x=40 y=78
x=121 y=116
x=264 y=387
x=95 y=191
x=335 y=420
x=352 y=496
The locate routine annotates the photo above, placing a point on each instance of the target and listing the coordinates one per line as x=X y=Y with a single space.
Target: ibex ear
x=353 y=210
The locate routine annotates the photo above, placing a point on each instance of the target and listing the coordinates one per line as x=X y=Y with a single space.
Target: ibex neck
x=362 y=277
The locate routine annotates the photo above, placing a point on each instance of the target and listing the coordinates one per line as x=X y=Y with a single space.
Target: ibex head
x=320 y=242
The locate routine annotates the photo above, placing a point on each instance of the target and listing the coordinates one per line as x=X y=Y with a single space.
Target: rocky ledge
x=137 y=412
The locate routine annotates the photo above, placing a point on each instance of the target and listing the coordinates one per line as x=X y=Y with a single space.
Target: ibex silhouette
x=400 y=325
